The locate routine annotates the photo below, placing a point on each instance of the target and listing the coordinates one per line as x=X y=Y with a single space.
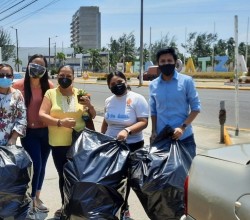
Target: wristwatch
x=184 y=126
x=59 y=123
x=127 y=130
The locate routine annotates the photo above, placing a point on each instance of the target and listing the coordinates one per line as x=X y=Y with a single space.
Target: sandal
x=58 y=214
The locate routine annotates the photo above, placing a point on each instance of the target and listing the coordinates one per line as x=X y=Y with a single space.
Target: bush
x=53 y=71
x=211 y=75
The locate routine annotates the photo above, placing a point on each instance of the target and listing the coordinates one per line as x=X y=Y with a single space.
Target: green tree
x=61 y=58
x=78 y=49
x=166 y=41
x=230 y=49
x=6 y=45
x=122 y=49
x=199 y=45
x=220 y=48
x=95 y=60
x=17 y=62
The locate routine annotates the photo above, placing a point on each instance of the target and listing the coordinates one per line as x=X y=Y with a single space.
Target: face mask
x=5 y=82
x=36 y=70
x=119 y=89
x=64 y=82
x=167 y=69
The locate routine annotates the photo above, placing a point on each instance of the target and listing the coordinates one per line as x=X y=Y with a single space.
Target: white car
x=218 y=185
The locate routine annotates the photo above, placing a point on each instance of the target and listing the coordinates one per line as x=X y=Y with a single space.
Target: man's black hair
x=169 y=50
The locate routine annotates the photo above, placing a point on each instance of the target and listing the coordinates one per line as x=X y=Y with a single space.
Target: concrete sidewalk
x=206 y=138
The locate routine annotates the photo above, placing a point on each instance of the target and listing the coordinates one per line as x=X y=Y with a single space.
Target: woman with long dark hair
x=33 y=87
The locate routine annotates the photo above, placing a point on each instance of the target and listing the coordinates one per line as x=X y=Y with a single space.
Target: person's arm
x=153 y=131
x=85 y=101
x=44 y=114
x=13 y=138
x=20 y=122
x=135 y=128
x=104 y=126
x=194 y=103
x=178 y=132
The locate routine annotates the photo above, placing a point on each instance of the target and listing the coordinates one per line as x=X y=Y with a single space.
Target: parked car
x=152 y=73
x=17 y=76
x=218 y=185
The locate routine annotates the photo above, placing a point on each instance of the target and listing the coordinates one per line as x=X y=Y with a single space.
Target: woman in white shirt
x=125 y=116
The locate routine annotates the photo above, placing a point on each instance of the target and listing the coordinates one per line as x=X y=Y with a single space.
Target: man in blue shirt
x=173 y=100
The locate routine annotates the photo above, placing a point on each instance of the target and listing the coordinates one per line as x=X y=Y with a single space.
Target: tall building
x=86 y=28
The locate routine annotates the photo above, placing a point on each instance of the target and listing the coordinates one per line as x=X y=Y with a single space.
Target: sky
x=177 y=18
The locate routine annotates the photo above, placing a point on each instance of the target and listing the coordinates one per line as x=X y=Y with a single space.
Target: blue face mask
x=5 y=82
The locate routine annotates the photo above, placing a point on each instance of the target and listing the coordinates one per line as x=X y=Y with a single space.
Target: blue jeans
x=36 y=143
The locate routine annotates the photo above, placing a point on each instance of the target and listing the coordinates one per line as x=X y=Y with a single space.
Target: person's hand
x=152 y=137
x=84 y=100
x=122 y=135
x=178 y=132
x=68 y=122
x=11 y=141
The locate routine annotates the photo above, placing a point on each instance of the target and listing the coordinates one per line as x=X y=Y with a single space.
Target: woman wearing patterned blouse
x=12 y=109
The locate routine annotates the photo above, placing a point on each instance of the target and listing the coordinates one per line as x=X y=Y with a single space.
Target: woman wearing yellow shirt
x=61 y=111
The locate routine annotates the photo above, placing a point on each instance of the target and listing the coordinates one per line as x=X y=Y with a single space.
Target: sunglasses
x=7 y=75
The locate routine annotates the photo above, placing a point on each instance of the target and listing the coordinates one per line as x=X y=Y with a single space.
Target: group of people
x=44 y=115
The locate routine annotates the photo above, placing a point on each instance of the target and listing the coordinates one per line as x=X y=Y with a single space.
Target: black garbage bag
x=95 y=177
x=15 y=175
x=157 y=175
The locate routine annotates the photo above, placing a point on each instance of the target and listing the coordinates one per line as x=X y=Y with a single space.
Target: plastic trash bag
x=157 y=175
x=15 y=175
x=95 y=177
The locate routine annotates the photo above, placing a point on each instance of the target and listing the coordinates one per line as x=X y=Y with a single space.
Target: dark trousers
x=132 y=147
x=59 y=157
x=37 y=145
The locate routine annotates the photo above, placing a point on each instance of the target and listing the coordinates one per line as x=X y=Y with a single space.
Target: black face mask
x=119 y=89
x=167 y=69
x=64 y=82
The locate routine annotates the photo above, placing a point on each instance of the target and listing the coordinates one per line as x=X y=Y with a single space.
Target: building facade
x=86 y=28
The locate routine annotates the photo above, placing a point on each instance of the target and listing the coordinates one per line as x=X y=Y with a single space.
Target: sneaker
x=58 y=214
x=40 y=205
x=126 y=215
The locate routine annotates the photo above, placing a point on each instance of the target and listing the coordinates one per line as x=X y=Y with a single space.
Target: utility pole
x=236 y=76
x=17 y=52
x=49 y=65
x=150 y=54
x=49 y=54
x=141 y=47
x=247 y=42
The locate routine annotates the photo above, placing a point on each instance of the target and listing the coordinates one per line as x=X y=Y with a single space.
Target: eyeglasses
x=7 y=75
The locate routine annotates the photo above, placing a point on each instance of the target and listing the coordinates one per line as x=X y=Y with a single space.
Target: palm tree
x=61 y=57
x=95 y=60
x=17 y=62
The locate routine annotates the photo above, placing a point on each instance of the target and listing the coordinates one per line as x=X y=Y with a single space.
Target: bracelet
x=127 y=130
x=59 y=123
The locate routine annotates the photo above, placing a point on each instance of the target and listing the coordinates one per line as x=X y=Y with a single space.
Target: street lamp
x=49 y=50
x=141 y=47
x=17 y=56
